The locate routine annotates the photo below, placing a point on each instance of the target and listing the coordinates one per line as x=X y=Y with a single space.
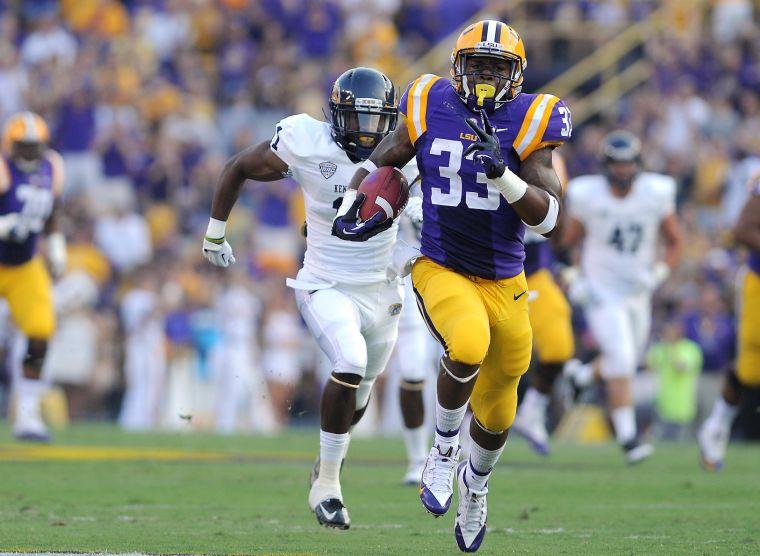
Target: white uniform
x=342 y=290
x=618 y=259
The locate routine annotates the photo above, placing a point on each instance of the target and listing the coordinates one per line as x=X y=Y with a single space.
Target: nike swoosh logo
x=329 y=515
x=520 y=295
x=501 y=129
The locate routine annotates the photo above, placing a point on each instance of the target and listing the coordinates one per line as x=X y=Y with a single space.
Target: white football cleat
x=436 y=487
x=712 y=440
x=472 y=513
x=326 y=501
x=532 y=427
x=413 y=475
x=28 y=424
x=636 y=453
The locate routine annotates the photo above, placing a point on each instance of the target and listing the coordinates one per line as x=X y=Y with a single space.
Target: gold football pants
x=479 y=322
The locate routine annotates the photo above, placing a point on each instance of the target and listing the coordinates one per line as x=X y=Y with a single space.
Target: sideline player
x=619 y=216
x=484 y=151
x=31 y=182
x=553 y=342
x=714 y=435
x=342 y=289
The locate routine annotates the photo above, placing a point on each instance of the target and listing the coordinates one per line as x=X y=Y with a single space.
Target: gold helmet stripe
x=417 y=105
x=536 y=121
x=31 y=132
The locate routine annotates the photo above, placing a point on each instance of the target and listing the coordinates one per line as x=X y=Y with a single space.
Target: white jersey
x=323 y=170
x=620 y=245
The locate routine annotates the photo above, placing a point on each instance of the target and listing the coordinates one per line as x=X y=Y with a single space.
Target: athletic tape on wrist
x=216 y=228
x=368 y=165
x=511 y=186
x=550 y=220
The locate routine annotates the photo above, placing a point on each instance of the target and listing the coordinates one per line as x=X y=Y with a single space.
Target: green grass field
x=100 y=490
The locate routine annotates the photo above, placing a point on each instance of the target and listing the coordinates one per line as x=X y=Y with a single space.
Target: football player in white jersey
x=619 y=217
x=342 y=290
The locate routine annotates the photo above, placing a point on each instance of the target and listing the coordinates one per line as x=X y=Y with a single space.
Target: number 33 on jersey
x=468 y=225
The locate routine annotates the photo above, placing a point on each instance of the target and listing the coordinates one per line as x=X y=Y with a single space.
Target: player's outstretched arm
x=395 y=149
x=747 y=230
x=256 y=163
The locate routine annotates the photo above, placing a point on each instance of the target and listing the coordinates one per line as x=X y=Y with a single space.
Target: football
x=387 y=191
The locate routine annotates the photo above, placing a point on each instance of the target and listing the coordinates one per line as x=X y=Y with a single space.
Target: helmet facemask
x=484 y=87
x=27 y=155
x=360 y=125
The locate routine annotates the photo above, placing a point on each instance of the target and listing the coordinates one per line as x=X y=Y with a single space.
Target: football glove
x=487 y=150
x=348 y=226
x=218 y=252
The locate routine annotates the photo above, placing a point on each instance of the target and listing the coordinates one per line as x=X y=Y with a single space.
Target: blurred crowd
x=147 y=98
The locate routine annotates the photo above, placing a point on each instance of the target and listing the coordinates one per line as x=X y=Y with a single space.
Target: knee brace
x=461 y=372
x=412 y=385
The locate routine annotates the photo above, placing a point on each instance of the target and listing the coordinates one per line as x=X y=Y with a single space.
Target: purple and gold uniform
x=748 y=360
x=470 y=282
x=24 y=280
x=550 y=313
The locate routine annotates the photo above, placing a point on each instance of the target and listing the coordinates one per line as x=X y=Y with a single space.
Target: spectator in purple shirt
x=73 y=138
x=712 y=326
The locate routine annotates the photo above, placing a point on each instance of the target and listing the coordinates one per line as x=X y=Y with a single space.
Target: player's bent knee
x=497 y=418
x=468 y=342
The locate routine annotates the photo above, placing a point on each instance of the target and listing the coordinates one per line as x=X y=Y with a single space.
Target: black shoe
x=332 y=513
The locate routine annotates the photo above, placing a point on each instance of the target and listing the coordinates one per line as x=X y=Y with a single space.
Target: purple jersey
x=754 y=256
x=538 y=255
x=30 y=195
x=468 y=226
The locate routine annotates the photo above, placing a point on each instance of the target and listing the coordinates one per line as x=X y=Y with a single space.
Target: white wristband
x=368 y=165
x=348 y=200
x=510 y=186
x=216 y=228
x=550 y=220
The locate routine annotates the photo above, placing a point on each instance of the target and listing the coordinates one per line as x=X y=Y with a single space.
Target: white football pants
x=356 y=326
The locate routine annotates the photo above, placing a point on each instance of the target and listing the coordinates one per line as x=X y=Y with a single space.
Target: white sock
x=480 y=465
x=332 y=450
x=624 y=421
x=447 y=423
x=535 y=403
x=416 y=441
x=30 y=391
x=723 y=413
